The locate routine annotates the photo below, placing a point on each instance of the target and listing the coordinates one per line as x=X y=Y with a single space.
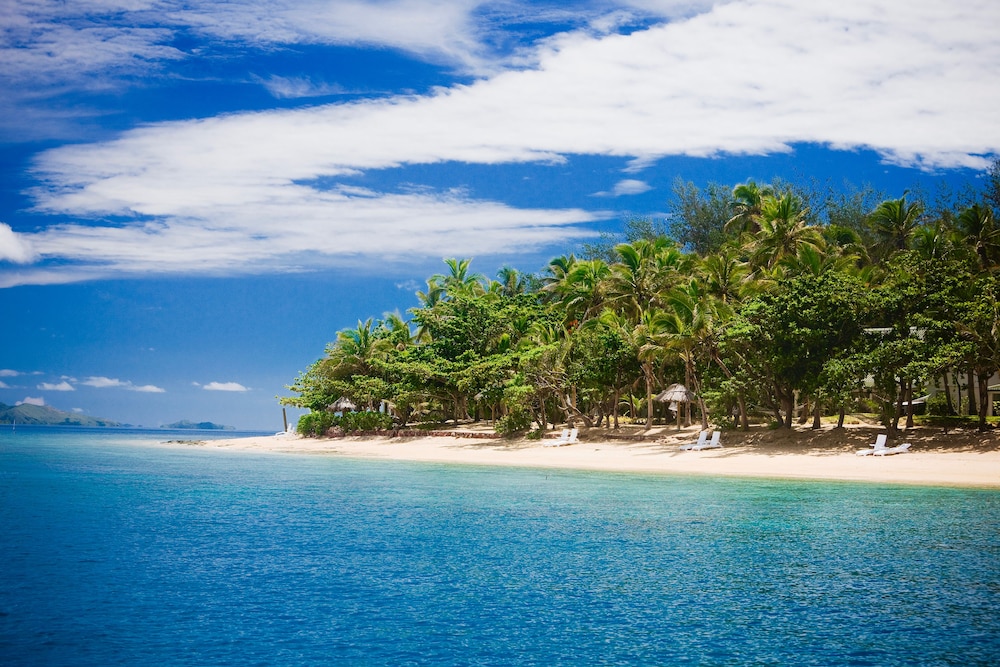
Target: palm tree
x=981 y=234
x=687 y=327
x=647 y=269
x=814 y=261
x=558 y=269
x=458 y=280
x=931 y=241
x=511 y=282
x=726 y=277
x=748 y=199
x=893 y=223
x=641 y=336
x=783 y=230
x=582 y=291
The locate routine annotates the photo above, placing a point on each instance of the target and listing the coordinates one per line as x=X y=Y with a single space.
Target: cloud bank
x=265 y=191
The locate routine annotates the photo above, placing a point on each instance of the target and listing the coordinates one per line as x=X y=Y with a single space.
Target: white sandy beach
x=964 y=458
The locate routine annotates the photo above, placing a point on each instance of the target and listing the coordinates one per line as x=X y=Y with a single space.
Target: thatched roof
x=675 y=393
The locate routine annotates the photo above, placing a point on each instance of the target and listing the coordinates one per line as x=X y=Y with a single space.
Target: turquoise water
x=116 y=551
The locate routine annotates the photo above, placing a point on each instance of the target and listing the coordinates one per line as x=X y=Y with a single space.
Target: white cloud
x=28 y=400
x=102 y=382
x=147 y=389
x=225 y=386
x=627 y=186
x=62 y=386
x=78 y=410
x=296 y=87
x=4 y=385
x=238 y=193
x=14 y=247
x=8 y=373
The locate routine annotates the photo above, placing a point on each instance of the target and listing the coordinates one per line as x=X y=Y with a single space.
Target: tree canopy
x=761 y=299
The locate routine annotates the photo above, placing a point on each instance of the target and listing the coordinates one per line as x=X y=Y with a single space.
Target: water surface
x=117 y=550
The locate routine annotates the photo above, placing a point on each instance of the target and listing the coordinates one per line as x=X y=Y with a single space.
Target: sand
x=963 y=458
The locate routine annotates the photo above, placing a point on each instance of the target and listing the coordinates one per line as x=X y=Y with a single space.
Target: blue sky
x=197 y=195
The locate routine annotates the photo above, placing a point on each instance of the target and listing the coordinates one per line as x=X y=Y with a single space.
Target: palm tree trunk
x=816 y=414
x=744 y=418
x=648 y=372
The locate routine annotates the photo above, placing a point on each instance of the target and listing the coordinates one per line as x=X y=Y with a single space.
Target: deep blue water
x=115 y=550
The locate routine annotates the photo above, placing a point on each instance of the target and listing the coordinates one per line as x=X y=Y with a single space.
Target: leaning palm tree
x=893 y=223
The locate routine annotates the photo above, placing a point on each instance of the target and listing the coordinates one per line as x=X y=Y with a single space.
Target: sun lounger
x=899 y=449
x=878 y=446
x=702 y=439
x=712 y=444
x=568 y=437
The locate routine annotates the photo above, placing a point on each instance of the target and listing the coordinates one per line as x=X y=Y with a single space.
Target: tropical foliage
x=763 y=300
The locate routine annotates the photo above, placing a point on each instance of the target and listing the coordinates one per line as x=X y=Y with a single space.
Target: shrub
x=365 y=421
x=937 y=406
x=512 y=423
x=314 y=424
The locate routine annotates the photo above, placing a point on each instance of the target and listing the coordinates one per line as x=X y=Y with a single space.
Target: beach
x=960 y=458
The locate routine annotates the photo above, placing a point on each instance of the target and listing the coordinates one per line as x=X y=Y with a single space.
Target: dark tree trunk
x=947 y=392
x=972 y=391
x=909 y=404
x=984 y=399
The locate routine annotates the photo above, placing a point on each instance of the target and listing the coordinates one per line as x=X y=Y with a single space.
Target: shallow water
x=116 y=551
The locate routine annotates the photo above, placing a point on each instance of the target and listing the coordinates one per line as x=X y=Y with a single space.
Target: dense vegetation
x=761 y=299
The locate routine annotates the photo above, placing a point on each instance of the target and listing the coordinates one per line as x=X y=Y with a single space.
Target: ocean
x=116 y=550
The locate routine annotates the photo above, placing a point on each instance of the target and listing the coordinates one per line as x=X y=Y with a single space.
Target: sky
x=197 y=195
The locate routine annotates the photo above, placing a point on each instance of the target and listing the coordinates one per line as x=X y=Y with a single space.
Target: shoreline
x=966 y=459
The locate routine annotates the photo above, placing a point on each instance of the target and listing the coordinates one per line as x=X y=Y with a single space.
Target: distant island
x=202 y=426
x=48 y=416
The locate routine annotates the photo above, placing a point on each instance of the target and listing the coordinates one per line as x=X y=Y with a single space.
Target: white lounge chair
x=702 y=439
x=879 y=446
x=563 y=437
x=568 y=437
x=898 y=449
x=712 y=444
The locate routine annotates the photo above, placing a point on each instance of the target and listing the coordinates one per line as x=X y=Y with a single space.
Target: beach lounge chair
x=563 y=437
x=712 y=444
x=568 y=437
x=879 y=446
x=702 y=439
x=898 y=449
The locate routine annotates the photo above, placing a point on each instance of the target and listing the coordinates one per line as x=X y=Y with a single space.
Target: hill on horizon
x=204 y=426
x=48 y=416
